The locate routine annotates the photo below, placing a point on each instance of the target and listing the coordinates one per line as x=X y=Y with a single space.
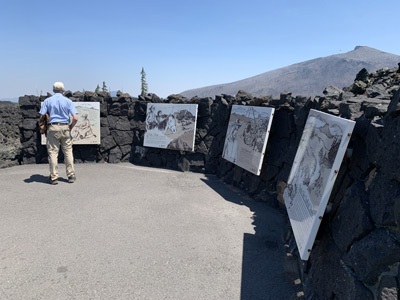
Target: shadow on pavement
x=37 y=178
x=41 y=179
x=267 y=271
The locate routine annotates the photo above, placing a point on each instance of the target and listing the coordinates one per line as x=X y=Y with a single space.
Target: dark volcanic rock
x=244 y=96
x=183 y=164
x=9 y=134
x=331 y=279
x=376 y=90
x=372 y=109
x=204 y=108
x=139 y=113
x=362 y=75
x=78 y=94
x=30 y=113
x=383 y=192
x=122 y=137
x=123 y=124
x=125 y=150
x=374 y=140
x=28 y=102
x=373 y=254
x=107 y=143
x=332 y=92
x=119 y=123
x=115 y=155
x=359 y=87
x=115 y=109
x=383 y=145
x=286 y=97
x=175 y=98
x=394 y=106
x=29 y=124
x=352 y=218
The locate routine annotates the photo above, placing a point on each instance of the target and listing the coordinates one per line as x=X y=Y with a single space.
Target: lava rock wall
x=10 y=118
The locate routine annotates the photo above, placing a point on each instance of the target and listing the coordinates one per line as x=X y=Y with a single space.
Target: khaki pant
x=60 y=135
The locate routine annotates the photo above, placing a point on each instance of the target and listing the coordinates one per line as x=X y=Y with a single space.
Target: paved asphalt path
x=128 y=232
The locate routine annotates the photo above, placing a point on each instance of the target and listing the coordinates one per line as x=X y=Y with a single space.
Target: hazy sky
x=181 y=44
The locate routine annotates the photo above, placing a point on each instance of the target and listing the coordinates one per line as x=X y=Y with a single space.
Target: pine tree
x=104 y=88
x=97 y=90
x=144 y=83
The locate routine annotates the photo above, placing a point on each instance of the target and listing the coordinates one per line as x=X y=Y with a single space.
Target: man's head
x=58 y=87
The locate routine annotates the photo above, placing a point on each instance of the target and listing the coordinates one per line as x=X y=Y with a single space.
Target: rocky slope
x=308 y=78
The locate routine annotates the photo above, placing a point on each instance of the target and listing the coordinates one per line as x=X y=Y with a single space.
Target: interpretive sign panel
x=87 y=129
x=247 y=136
x=171 y=126
x=317 y=162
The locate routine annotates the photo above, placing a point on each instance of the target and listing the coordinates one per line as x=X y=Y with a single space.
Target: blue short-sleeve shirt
x=59 y=108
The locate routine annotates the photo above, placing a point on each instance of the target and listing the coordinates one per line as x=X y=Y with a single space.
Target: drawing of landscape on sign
x=319 y=155
x=171 y=126
x=87 y=129
x=247 y=136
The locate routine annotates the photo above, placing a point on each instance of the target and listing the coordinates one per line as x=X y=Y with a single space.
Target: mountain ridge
x=308 y=78
x=13 y=100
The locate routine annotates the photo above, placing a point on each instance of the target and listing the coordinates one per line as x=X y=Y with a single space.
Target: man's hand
x=73 y=123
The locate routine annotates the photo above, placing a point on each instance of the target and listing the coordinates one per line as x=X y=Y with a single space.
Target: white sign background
x=319 y=156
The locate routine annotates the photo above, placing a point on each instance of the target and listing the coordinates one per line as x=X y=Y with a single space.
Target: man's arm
x=43 y=108
x=74 y=120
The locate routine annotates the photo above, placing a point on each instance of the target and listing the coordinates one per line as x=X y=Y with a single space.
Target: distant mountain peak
x=359 y=47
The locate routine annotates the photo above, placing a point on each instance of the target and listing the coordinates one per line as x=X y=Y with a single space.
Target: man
x=59 y=131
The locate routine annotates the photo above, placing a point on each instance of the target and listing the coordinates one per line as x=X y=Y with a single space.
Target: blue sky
x=180 y=44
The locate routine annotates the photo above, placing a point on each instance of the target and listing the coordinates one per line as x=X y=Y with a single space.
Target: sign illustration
x=247 y=136
x=171 y=126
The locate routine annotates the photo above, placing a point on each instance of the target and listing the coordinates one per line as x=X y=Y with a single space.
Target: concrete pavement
x=127 y=232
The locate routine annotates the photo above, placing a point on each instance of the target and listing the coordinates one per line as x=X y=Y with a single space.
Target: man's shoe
x=53 y=182
x=71 y=179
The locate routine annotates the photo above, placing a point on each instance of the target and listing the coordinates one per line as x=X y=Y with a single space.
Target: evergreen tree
x=144 y=83
x=97 y=90
x=104 y=88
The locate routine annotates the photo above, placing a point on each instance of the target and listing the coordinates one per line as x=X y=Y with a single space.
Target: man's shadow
x=41 y=179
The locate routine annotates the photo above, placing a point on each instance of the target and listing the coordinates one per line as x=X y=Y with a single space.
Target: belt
x=58 y=123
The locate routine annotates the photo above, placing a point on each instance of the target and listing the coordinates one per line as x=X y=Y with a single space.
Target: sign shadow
x=268 y=272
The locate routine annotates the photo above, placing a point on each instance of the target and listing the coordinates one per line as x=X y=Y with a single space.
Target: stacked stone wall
x=357 y=252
